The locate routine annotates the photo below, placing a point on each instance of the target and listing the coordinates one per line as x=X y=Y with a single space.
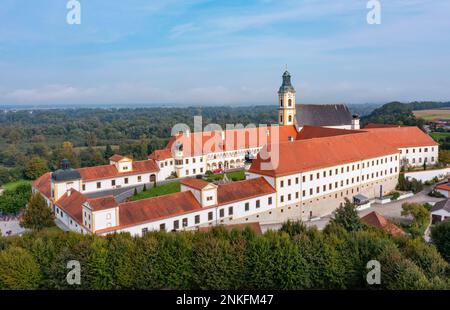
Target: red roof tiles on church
x=43 y=184
x=72 y=204
x=156 y=208
x=310 y=132
x=161 y=154
x=102 y=203
x=199 y=143
x=194 y=183
x=401 y=137
x=241 y=190
x=110 y=171
x=311 y=154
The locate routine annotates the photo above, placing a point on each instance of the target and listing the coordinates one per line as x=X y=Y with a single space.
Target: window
x=99 y=184
x=304 y=193
x=126 y=180
x=144 y=230
x=289 y=182
x=197 y=219
x=108 y=216
x=139 y=178
x=296 y=180
x=210 y=216
x=193 y=171
x=310 y=191
x=84 y=187
x=247 y=206
x=176 y=224
x=162 y=227
x=318 y=175
x=269 y=201
x=289 y=197
x=201 y=170
x=296 y=195
x=230 y=211
x=324 y=188
x=281 y=183
x=317 y=189
x=187 y=172
x=185 y=222
x=222 y=213
x=257 y=204
x=193 y=160
x=304 y=179
x=187 y=161
x=209 y=198
x=113 y=182
x=324 y=174
x=281 y=198
x=310 y=177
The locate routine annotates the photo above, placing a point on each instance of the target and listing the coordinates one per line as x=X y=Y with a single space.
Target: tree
x=440 y=235
x=420 y=217
x=35 y=167
x=18 y=270
x=144 y=188
x=108 y=151
x=347 y=216
x=37 y=214
x=135 y=192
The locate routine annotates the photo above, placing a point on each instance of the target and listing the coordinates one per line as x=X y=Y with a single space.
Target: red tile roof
x=317 y=153
x=444 y=186
x=156 y=208
x=194 y=183
x=117 y=157
x=401 y=137
x=72 y=204
x=241 y=190
x=43 y=184
x=375 y=219
x=309 y=132
x=102 y=203
x=199 y=143
x=161 y=154
x=110 y=171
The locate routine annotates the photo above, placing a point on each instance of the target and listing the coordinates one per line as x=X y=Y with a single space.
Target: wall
x=428 y=175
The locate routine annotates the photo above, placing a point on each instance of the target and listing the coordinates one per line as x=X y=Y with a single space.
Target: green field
x=175 y=186
x=13 y=185
x=432 y=114
x=158 y=191
x=439 y=136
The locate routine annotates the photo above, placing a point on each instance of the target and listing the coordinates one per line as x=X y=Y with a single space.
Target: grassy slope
x=13 y=185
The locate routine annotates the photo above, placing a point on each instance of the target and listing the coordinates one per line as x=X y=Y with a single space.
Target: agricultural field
x=439 y=136
x=432 y=114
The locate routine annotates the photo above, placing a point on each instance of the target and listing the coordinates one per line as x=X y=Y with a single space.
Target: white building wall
x=106 y=184
x=238 y=212
x=105 y=218
x=416 y=156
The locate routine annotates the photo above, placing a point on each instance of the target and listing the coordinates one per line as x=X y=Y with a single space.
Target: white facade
x=417 y=156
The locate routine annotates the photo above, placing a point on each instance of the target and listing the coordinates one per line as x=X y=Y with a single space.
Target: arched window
x=281 y=118
x=290 y=102
x=290 y=118
x=281 y=102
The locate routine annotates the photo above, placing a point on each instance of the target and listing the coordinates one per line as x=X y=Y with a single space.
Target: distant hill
x=400 y=113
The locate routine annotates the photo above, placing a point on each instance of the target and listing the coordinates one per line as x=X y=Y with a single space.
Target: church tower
x=286 y=101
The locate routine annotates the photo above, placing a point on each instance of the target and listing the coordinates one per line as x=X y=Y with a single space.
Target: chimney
x=223 y=135
x=69 y=192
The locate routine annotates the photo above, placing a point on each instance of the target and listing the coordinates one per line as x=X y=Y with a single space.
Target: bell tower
x=286 y=101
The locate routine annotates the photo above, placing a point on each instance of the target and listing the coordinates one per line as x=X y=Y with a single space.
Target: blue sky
x=223 y=52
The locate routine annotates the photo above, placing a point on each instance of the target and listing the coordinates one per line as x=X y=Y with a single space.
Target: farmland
x=433 y=114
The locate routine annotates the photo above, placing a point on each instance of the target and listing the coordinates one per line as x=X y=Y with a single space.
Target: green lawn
x=439 y=136
x=13 y=185
x=158 y=191
x=234 y=176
